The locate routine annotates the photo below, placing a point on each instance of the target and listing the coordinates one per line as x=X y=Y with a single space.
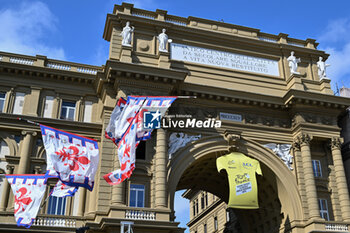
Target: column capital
x=302 y=139
x=37 y=170
x=10 y=168
x=25 y=132
x=335 y=143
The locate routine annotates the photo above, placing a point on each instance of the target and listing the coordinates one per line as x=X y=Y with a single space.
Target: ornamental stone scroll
x=179 y=140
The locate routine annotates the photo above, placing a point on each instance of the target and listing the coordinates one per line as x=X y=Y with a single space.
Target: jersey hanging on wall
x=242 y=180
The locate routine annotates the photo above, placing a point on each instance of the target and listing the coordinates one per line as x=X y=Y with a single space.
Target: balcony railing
x=54 y=222
x=140 y=215
x=58 y=66
x=336 y=227
x=20 y=60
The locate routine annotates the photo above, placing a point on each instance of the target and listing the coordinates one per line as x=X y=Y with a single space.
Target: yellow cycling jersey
x=242 y=180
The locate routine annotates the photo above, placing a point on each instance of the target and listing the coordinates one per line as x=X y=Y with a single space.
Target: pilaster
x=161 y=169
x=163 y=61
x=25 y=151
x=82 y=200
x=125 y=55
x=6 y=189
x=340 y=178
x=303 y=142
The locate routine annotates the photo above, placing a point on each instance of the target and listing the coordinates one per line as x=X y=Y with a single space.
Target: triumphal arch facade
x=262 y=93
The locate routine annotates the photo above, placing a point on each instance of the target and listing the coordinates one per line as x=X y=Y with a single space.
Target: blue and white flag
x=130 y=129
x=63 y=190
x=72 y=157
x=28 y=191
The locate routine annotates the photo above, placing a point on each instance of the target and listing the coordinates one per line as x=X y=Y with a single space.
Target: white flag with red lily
x=72 y=157
x=28 y=191
x=134 y=105
x=130 y=127
x=63 y=190
x=113 y=125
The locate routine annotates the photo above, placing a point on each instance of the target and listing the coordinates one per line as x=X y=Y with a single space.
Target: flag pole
x=187 y=97
x=28 y=121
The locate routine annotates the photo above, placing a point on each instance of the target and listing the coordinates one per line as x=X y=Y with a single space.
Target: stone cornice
x=143 y=72
x=47 y=73
x=10 y=121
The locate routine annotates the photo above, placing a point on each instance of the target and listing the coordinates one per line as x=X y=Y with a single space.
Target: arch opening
x=194 y=167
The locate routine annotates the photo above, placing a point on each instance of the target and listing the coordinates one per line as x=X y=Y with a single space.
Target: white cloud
x=182 y=209
x=335 y=40
x=336 y=30
x=24 y=27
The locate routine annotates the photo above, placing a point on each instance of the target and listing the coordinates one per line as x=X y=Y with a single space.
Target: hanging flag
x=72 y=157
x=126 y=154
x=28 y=191
x=63 y=190
x=130 y=128
x=111 y=129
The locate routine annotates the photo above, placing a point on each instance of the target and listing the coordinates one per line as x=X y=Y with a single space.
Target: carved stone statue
x=179 y=140
x=293 y=63
x=282 y=151
x=163 y=41
x=126 y=34
x=321 y=66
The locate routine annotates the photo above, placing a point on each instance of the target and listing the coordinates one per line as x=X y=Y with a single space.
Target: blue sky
x=72 y=30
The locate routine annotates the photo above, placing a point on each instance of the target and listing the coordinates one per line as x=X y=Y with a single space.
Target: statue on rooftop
x=163 y=41
x=321 y=66
x=293 y=63
x=126 y=34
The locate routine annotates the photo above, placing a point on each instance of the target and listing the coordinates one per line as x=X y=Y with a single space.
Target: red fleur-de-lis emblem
x=22 y=199
x=73 y=158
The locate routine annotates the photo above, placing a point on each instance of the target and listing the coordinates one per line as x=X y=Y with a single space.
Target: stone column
x=6 y=189
x=82 y=200
x=118 y=196
x=161 y=159
x=25 y=151
x=340 y=179
x=303 y=141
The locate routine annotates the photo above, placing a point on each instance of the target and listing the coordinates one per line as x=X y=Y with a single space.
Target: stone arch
x=288 y=193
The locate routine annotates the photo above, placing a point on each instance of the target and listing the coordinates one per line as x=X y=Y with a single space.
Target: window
x=48 y=106
x=57 y=205
x=205 y=228
x=194 y=208
x=87 y=111
x=4 y=149
x=206 y=198
x=202 y=201
x=68 y=110
x=137 y=195
x=316 y=165
x=141 y=150
x=19 y=102
x=197 y=210
x=322 y=203
x=215 y=223
x=2 y=101
x=18 y=139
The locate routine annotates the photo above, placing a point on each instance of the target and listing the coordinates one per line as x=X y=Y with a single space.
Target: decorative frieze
x=283 y=152
x=180 y=140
